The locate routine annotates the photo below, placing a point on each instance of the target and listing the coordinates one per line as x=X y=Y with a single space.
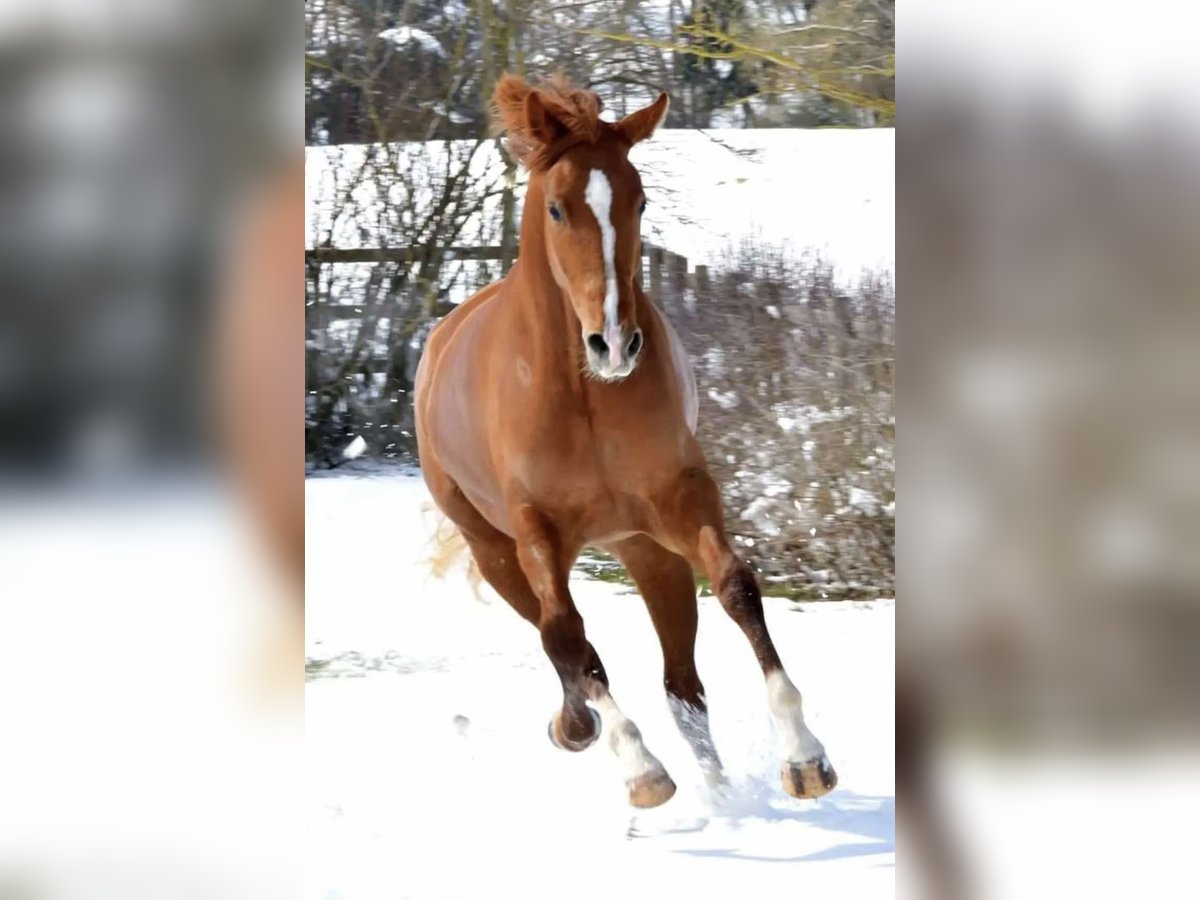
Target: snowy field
x=430 y=774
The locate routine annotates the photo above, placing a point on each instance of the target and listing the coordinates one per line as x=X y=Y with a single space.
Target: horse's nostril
x=597 y=344
x=635 y=343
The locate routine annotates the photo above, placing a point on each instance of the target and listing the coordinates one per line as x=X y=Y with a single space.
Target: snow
x=429 y=770
x=453 y=115
x=405 y=34
x=455 y=11
x=760 y=512
x=1030 y=824
x=141 y=756
x=726 y=399
x=342 y=211
x=827 y=190
x=864 y=501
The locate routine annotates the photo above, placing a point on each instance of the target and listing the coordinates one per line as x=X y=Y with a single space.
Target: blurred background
x=1049 y=222
x=768 y=235
x=150 y=521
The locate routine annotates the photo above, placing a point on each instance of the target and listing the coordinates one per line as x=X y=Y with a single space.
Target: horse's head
x=586 y=204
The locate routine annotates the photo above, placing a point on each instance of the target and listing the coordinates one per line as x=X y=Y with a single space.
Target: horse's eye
x=555 y=213
x=642 y=208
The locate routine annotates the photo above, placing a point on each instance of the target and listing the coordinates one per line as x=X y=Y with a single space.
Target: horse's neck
x=540 y=303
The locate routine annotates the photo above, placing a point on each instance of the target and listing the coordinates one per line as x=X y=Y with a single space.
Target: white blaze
x=598 y=196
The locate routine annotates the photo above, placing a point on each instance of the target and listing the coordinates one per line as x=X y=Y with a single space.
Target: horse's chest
x=573 y=463
x=580 y=495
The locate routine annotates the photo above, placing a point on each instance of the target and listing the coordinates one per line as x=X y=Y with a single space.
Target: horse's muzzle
x=613 y=355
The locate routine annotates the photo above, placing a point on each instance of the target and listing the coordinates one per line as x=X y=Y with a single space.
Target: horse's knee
x=739 y=593
x=563 y=638
x=742 y=600
x=732 y=580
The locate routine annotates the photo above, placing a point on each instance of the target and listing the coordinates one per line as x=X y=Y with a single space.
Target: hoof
x=652 y=789
x=809 y=780
x=579 y=741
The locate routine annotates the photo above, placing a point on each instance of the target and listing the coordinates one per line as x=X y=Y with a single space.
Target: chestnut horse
x=556 y=409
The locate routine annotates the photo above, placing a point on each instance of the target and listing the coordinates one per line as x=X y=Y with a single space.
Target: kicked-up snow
x=429 y=769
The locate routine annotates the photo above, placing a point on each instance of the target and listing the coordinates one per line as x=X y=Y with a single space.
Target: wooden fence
x=664 y=274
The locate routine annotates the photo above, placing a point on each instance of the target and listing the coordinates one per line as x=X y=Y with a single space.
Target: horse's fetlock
x=685 y=686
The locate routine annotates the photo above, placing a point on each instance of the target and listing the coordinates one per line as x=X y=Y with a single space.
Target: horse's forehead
x=575 y=171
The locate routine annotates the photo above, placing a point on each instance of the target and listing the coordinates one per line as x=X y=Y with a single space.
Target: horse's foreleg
x=496 y=555
x=668 y=586
x=500 y=562
x=691 y=524
x=546 y=564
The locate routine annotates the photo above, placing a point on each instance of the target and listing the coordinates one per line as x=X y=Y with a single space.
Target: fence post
x=677 y=270
x=656 y=264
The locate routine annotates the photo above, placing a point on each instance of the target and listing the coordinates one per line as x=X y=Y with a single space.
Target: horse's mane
x=576 y=109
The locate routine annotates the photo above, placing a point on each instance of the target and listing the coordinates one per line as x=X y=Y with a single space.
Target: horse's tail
x=448 y=550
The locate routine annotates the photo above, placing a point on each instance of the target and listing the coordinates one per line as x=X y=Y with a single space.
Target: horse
x=556 y=410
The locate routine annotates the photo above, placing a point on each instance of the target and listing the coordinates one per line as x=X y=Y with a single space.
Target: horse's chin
x=611 y=376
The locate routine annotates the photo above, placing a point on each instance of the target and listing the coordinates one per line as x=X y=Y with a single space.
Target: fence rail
x=396 y=254
x=657 y=263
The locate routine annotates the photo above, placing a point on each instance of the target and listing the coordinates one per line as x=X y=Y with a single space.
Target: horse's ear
x=637 y=126
x=508 y=103
x=522 y=114
x=541 y=125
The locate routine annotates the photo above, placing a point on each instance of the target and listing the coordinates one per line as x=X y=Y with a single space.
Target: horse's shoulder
x=442 y=333
x=453 y=320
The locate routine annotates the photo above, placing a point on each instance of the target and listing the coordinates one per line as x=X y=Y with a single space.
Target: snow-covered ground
x=430 y=773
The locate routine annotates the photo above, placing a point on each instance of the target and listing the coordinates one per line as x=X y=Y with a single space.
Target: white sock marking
x=598 y=196
x=624 y=739
x=797 y=743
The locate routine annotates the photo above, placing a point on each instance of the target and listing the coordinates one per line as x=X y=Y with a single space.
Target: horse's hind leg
x=668 y=586
x=691 y=524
